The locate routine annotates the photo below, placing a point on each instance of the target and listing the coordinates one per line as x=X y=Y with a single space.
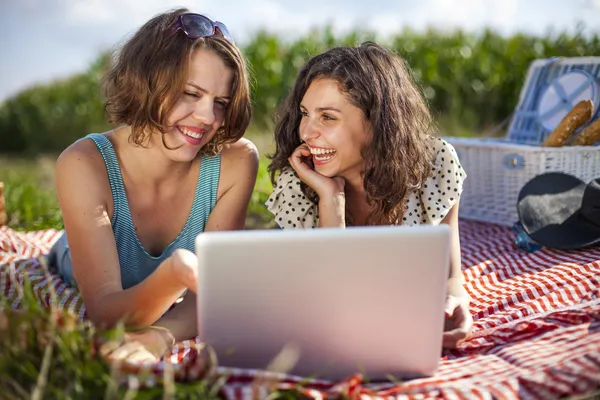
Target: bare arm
x=455 y=284
x=239 y=166
x=459 y=320
x=332 y=211
x=85 y=197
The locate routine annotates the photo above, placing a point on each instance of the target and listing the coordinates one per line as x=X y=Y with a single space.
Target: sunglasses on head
x=196 y=26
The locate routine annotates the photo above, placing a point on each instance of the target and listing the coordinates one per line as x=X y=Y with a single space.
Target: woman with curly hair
x=355 y=146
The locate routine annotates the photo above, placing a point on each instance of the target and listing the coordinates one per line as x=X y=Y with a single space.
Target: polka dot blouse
x=429 y=205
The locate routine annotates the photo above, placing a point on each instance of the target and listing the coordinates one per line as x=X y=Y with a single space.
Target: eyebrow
x=206 y=92
x=321 y=109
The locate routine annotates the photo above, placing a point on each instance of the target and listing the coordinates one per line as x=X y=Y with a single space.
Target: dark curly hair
x=398 y=157
x=149 y=73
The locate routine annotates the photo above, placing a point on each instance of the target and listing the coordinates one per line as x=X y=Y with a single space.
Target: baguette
x=579 y=115
x=589 y=135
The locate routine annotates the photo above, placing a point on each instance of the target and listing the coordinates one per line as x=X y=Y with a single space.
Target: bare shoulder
x=239 y=164
x=81 y=166
x=242 y=151
x=81 y=154
x=239 y=158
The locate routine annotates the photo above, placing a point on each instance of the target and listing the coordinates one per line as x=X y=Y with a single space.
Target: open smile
x=192 y=135
x=322 y=155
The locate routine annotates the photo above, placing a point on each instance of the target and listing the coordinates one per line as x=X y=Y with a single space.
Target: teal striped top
x=135 y=262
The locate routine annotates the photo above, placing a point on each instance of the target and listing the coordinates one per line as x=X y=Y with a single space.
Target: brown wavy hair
x=149 y=73
x=398 y=157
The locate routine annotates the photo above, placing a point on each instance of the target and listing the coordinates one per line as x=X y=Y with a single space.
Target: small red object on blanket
x=536 y=330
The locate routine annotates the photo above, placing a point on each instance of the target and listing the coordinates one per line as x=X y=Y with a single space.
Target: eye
x=328 y=117
x=191 y=94
x=303 y=113
x=222 y=104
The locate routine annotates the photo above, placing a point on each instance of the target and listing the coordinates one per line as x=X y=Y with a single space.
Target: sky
x=42 y=40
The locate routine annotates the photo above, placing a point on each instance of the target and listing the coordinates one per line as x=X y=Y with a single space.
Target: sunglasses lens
x=196 y=25
x=224 y=31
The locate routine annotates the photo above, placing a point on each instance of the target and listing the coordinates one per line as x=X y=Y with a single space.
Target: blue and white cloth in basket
x=553 y=87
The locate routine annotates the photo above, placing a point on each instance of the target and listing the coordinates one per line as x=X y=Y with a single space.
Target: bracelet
x=163 y=329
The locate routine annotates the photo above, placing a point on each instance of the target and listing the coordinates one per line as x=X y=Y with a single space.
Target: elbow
x=106 y=317
x=104 y=314
x=102 y=320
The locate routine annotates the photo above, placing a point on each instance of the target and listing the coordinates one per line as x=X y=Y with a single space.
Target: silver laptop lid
x=363 y=299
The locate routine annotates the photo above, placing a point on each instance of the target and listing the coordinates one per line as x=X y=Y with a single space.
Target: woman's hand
x=332 y=198
x=184 y=265
x=146 y=345
x=325 y=187
x=458 y=321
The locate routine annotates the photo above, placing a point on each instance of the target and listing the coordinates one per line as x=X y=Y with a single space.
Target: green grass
x=31 y=202
x=258 y=216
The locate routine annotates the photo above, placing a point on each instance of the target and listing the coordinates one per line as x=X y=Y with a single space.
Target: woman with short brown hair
x=135 y=198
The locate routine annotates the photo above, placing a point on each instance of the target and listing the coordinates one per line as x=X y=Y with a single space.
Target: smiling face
x=200 y=110
x=334 y=129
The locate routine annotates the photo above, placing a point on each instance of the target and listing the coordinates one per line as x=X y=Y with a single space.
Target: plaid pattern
x=536 y=332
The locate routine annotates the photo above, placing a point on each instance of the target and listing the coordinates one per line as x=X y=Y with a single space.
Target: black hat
x=560 y=211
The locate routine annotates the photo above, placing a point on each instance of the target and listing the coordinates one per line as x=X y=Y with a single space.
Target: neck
x=356 y=199
x=150 y=162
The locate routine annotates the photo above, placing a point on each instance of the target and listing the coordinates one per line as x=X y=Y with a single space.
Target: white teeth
x=190 y=133
x=321 y=151
x=323 y=158
x=322 y=154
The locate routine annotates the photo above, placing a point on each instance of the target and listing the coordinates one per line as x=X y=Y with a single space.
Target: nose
x=308 y=130
x=204 y=111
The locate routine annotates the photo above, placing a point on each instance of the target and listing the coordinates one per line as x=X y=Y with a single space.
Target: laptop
x=325 y=303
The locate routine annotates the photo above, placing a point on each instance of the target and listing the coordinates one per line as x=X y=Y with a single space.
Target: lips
x=322 y=155
x=192 y=135
x=191 y=132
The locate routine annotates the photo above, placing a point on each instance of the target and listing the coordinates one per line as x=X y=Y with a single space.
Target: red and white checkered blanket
x=536 y=332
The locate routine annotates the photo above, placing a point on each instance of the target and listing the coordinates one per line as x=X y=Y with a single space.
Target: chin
x=326 y=170
x=182 y=154
x=181 y=151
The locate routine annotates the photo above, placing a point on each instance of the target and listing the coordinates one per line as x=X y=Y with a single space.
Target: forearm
x=455 y=284
x=455 y=287
x=142 y=304
x=332 y=212
x=455 y=277
x=179 y=324
x=182 y=320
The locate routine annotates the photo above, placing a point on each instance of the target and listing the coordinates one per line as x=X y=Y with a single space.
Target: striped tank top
x=135 y=262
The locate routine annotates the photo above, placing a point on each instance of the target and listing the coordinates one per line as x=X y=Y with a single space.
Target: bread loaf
x=579 y=115
x=589 y=135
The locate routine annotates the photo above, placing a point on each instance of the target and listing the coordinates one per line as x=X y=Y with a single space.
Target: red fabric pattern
x=536 y=325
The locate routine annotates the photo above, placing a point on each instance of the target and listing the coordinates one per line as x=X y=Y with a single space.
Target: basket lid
x=563 y=93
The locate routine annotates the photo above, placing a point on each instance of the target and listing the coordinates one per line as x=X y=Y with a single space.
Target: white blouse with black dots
x=292 y=209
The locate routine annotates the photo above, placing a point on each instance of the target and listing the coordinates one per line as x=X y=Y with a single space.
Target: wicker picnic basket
x=497 y=169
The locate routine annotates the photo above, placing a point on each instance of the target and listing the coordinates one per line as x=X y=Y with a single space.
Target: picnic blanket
x=536 y=327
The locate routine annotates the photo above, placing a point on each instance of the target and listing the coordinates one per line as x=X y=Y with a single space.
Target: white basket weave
x=498 y=169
